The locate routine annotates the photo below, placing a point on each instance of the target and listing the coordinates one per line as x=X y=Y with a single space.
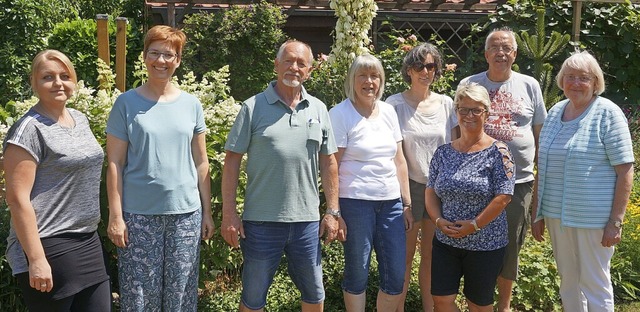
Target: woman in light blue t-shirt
x=158 y=184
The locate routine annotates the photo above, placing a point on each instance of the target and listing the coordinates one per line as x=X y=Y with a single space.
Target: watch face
x=617 y=224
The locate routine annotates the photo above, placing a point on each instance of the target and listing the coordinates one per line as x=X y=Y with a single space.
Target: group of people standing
x=457 y=174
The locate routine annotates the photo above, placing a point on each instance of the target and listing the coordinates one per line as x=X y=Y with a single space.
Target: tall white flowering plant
x=350 y=38
x=351 y=35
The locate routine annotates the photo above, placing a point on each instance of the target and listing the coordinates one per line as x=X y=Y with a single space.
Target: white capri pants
x=584 y=267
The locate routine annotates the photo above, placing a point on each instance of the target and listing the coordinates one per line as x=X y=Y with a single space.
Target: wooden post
x=171 y=14
x=103 y=37
x=577 y=17
x=121 y=53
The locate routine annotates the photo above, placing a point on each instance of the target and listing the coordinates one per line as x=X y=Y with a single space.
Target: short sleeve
x=539 y=109
x=117 y=122
x=240 y=135
x=339 y=127
x=504 y=170
x=328 y=146
x=25 y=134
x=616 y=137
x=434 y=167
x=200 y=124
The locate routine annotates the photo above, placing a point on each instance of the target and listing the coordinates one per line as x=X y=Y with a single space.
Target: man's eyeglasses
x=505 y=49
x=465 y=111
x=168 y=56
x=419 y=66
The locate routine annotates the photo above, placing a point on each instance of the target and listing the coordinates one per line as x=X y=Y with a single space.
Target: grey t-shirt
x=516 y=106
x=65 y=193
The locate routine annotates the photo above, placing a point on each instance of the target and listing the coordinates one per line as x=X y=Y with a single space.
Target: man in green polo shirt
x=287 y=136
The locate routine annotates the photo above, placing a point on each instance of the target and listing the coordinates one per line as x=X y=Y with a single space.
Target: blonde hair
x=50 y=55
x=586 y=62
x=474 y=92
x=368 y=62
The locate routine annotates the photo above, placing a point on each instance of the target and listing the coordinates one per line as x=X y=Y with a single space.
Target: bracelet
x=406 y=206
x=437 y=219
x=475 y=225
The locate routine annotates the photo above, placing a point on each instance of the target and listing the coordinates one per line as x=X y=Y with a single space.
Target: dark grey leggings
x=95 y=298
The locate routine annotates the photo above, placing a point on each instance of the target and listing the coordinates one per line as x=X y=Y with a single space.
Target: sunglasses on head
x=419 y=66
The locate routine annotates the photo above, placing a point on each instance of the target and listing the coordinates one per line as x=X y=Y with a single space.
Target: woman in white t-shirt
x=374 y=188
x=427 y=120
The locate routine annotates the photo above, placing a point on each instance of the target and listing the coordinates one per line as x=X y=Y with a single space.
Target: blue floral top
x=465 y=184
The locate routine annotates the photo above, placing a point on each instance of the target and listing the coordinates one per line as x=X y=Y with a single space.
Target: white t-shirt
x=367 y=168
x=423 y=133
x=516 y=106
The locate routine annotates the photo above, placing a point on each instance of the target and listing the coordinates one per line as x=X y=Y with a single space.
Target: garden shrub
x=246 y=38
x=538 y=282
x=609 y=31
x=78 y=40
x=25 y=27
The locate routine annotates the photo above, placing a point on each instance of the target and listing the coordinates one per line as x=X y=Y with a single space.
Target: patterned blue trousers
x=158 y=269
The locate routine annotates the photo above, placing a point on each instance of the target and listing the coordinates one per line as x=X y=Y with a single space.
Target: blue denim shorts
x=262 y=249
x=372 y=225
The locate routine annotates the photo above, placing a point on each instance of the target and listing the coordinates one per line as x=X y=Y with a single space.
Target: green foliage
x=538 y=282
x=25 y=26
x=77 y=39
x=244 y=37
x=10 y=297
x=327 y=81
x=541 y=51
x=610 y=31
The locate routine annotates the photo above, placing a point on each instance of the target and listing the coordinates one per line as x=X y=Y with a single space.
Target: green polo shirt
x=283 y=147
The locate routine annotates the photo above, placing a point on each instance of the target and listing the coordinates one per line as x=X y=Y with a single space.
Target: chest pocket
x=314 y=134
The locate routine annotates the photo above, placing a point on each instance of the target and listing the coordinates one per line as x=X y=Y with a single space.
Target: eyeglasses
x=154 y=55
x=419 y=66
x=505 y=49
x=580 y=79
x=464 y=111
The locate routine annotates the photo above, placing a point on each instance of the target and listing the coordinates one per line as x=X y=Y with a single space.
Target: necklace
x=470 y=147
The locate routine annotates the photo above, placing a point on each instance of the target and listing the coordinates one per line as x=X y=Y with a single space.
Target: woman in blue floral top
x=471 y=181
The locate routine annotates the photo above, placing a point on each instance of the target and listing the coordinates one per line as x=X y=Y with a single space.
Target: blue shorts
x=378 y=225
x=263 y=247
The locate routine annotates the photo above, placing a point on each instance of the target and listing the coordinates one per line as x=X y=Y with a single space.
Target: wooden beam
x=121 y=53
x=102 y=21
x=577 y=18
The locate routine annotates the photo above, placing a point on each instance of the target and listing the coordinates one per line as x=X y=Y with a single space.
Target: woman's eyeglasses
x=465 y=111
x=154 y=55
x=419 y=66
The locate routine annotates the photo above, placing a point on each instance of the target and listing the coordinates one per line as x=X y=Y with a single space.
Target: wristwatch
x=333 y=212
x=616 y=223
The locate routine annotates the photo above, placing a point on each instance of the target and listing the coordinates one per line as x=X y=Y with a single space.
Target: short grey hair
x=474 y=92
x=292 y=41
x=418 y=55
x=368 y=62
x=586 y=62
x=509 y=32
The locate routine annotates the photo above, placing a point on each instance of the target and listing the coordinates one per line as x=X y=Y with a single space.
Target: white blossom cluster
x=351 y=35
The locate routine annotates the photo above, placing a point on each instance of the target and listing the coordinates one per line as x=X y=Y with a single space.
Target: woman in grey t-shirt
x=52 y=165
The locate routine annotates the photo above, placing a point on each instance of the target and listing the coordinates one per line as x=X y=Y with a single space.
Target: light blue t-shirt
x=159 y=176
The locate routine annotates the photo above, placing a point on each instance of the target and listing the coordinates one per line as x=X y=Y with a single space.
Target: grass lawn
x=628 y=307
